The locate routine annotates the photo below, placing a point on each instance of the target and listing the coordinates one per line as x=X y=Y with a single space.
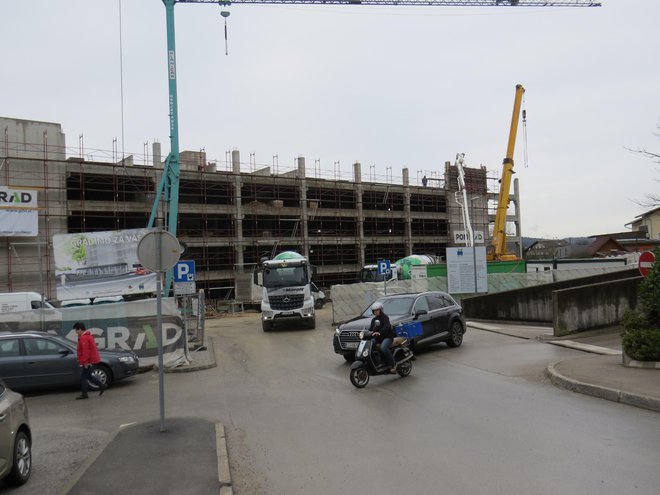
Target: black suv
x=440 y=317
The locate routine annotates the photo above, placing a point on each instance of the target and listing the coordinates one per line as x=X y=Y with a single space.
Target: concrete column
x=304 y=216
x=239 y=245
x=357 y=179
x=301 y=167
x=155 y=151
x=406 y=211
x=236 y=161
x=357 y=173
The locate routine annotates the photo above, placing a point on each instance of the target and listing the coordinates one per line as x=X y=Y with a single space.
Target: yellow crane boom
x=498 y=252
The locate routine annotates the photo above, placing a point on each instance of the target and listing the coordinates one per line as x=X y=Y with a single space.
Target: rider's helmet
x=376 y=306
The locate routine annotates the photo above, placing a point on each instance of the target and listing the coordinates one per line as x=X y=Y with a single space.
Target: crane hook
x=225 y=14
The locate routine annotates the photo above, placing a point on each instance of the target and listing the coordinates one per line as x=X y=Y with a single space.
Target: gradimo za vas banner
x=125 y=325
x=96 y=264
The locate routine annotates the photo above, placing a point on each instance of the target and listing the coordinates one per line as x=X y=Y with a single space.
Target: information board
x=465 y=266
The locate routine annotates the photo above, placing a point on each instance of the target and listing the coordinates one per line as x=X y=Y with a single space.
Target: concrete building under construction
x=229 y=218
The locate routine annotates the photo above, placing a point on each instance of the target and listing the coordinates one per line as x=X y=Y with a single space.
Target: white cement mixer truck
x=287 y=290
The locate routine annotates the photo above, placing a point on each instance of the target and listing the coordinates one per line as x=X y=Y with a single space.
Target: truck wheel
x=267 y=326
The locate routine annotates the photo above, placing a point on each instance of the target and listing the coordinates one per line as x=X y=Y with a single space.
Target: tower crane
x=169 y=183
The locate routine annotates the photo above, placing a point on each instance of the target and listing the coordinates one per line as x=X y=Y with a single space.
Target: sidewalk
x=600 y=372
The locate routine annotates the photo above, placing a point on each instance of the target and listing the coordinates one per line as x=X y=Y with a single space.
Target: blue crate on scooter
x=411 y=329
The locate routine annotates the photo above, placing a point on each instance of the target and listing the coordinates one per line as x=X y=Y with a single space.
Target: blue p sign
x=184 y=271
x=383 y=267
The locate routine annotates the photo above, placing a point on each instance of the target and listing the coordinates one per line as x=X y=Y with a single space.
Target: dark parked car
x=38 y=360
x=15 y=437
x=441 y=319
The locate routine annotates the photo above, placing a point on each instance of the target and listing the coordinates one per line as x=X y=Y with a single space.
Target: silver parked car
x=15 y=437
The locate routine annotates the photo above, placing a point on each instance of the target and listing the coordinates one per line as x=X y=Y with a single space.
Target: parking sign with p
x=184 y=271
x=383 y=267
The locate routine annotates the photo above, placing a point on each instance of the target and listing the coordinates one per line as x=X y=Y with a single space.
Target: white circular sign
x=159 y=241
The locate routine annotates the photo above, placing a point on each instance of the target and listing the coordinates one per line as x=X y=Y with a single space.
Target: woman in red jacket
x=88 y=355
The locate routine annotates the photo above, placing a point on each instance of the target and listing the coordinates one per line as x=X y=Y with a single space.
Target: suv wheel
x=455 y=334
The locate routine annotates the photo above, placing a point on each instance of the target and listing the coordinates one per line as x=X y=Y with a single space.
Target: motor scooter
x=368 y=360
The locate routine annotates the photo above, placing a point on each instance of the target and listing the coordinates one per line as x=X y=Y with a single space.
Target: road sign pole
x=159 y=333
x=383 y=267
x=159 y=251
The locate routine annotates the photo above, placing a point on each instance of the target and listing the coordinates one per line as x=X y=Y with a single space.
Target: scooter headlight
x=365 y=353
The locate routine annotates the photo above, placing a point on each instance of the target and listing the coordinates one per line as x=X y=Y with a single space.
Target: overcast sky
x=390 y=87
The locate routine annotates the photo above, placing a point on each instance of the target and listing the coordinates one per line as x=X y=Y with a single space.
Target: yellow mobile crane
x=498 y=248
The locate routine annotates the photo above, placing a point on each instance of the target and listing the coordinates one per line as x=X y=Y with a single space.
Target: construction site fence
x=348 y=301
x=193 y=313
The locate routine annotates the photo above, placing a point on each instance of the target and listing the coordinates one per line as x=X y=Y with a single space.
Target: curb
x=495 y=329
x=594 y=349
x=199 y=367
x=224 y=475
x=606 y=393
x=631 y=363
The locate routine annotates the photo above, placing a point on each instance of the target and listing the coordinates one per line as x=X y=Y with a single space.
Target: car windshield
x=397 y=306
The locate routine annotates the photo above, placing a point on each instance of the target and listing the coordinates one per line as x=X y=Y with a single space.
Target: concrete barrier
x=531 y=304
x=591 y=306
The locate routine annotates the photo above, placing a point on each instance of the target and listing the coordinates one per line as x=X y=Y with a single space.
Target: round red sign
x=646 y=261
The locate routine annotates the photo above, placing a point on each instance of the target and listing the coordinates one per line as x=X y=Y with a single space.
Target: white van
x=11 y=302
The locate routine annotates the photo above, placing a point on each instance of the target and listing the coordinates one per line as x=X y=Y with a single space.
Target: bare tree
x=651 y=200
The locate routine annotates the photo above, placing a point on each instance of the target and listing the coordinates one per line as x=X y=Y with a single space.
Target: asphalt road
x=479 y=419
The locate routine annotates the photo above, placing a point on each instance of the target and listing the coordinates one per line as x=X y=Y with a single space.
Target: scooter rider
x=383 y=333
